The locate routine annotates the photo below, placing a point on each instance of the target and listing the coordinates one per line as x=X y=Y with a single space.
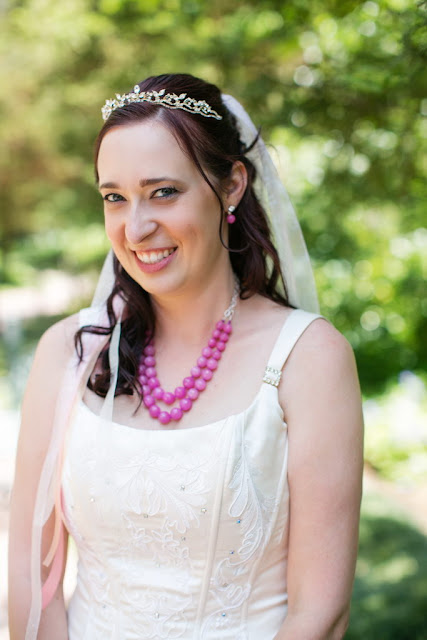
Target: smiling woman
x=200 y=438
x=147 y=215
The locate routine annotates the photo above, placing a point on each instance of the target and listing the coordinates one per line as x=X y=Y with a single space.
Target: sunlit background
x=339 y=90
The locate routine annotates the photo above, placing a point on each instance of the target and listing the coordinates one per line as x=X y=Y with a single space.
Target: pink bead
x=220 y=325
x=200 y=383
x=224 y=336
x=158 y=393
x=193 y=394
x=227 y=328
x=212 y=343
x=143 y=379
x=141 y=368
x=153 y=383
x=217 y=355
x=176 y=413
x=146 y=390
x=207 y=374
x=202 y=361
x=188 y=383
x=220 y=345
x=207 y=352
x=216 y=334
x=168 y=397
x=196 y=372
x=231 y=219
x=149 y=401
x=154 y=411
x=149 y=350
x=185 y=404
x=150 y=361
x=212 y=364
x=164 y=417
x=150 y=372
x=180 y=392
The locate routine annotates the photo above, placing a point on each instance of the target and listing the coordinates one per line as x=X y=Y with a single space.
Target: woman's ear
x=236 y=184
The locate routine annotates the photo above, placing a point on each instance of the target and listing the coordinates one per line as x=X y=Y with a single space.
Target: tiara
x=169 y=100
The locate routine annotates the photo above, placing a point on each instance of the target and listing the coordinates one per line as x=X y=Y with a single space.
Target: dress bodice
x=182 y=533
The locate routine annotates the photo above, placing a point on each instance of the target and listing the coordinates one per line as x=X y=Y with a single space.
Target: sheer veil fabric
x=295 y=262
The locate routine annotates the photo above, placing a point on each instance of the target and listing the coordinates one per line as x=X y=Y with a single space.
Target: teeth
x=153 y=256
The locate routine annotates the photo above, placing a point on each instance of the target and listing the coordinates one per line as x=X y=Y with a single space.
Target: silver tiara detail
x=168 y=100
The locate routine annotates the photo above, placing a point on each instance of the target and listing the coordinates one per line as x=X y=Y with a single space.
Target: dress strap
x=295 y=325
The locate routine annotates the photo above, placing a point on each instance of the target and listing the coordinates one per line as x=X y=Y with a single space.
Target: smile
x=152 y=257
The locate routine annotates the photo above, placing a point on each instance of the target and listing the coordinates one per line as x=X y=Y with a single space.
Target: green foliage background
x=338 y=87
x=339 y=90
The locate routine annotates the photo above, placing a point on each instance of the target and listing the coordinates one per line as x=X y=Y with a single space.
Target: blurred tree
x=337 y=86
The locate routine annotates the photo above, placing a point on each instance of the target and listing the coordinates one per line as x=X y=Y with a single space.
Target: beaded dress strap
x=295 y=325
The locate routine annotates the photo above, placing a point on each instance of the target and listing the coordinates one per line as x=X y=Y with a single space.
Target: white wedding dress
x=182 y=533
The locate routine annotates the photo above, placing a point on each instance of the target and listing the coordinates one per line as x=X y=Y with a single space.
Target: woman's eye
x=113 y=197
x=165 y=192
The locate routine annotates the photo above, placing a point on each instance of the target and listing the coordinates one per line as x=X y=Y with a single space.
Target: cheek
x=112 y=229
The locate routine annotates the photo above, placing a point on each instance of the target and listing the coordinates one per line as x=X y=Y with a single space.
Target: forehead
x=142 y=149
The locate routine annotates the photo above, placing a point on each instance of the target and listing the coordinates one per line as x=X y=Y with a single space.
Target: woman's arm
x=321 y=398
x=38 y=409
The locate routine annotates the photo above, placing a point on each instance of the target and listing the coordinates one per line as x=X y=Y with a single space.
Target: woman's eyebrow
x=142 y=183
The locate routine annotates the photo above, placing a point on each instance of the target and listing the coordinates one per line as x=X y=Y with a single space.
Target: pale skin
x=319 y=391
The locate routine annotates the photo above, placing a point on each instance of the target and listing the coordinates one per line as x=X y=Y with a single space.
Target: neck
x=189 y=317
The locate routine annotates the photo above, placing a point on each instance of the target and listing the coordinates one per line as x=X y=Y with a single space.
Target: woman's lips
x=155 y=259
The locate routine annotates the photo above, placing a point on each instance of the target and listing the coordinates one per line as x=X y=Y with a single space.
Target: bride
x=197 y=430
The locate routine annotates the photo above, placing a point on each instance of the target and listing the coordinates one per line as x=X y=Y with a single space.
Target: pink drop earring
x=230 y=217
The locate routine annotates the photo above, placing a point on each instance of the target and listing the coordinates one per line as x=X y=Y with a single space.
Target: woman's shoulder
x=320 y=343
x=58 y=340
x=320 y=369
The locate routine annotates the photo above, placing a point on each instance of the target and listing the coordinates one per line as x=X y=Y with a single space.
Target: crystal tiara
x=168 y=100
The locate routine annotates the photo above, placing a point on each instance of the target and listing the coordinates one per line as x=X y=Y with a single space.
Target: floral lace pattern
x=251 y=511
x=143 y=513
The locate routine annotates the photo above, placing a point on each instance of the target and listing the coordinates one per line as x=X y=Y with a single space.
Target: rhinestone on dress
x=272 y=376
x=203 y=510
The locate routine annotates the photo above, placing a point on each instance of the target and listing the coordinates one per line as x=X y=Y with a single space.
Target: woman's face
x=161 y=216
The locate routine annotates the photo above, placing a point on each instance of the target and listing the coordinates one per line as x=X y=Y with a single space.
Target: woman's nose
x=139 y=225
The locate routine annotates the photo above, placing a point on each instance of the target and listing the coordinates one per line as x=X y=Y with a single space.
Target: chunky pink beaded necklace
x=195 y=383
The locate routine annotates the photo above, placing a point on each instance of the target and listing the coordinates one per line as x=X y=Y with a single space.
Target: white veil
x=287 y=234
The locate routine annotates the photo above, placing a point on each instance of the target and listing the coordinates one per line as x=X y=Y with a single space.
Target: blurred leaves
x=391 y=577
x=338 y=87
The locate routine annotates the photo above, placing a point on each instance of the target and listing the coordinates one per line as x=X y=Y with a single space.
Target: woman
x=205 y=450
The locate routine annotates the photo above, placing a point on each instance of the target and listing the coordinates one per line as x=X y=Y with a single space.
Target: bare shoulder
x=321 y=346
x=59 y=338
x=53 y=352
x=321 y=370
x=39 y=404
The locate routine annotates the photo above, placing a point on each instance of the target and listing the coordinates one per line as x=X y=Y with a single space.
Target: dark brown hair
x=214 y=146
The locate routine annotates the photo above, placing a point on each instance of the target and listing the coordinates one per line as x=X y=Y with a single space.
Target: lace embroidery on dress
x=153 y=484
x=252 y=512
